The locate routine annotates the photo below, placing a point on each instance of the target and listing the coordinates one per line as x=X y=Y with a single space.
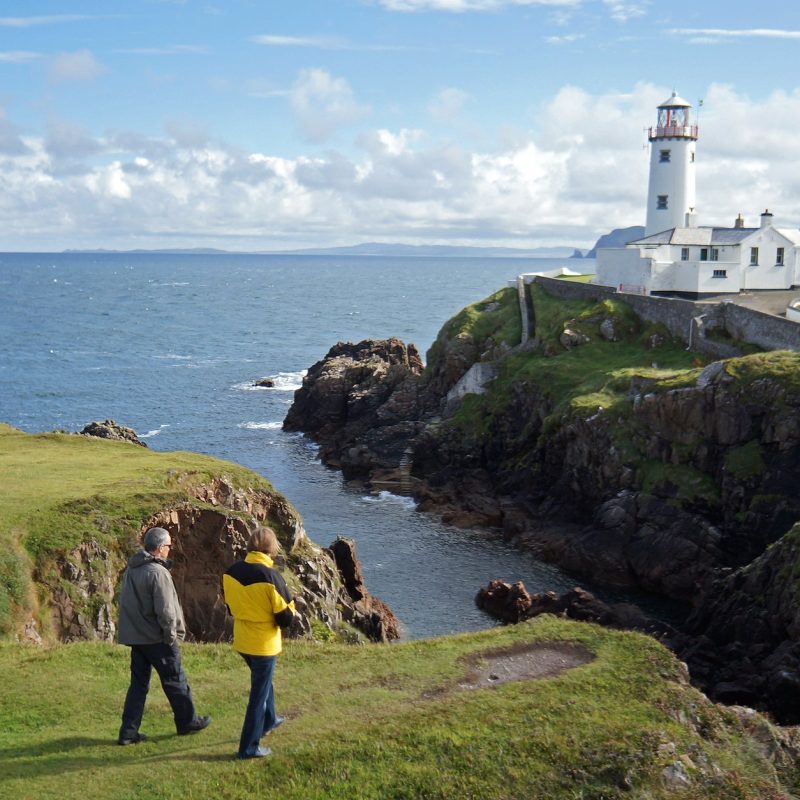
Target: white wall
x=674 y=178
x=623 y=265
x=767 y=274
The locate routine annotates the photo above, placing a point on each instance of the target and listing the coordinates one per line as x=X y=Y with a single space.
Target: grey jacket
x=149 y=610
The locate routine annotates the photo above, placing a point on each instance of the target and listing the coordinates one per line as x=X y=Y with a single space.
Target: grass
x=496 y=318
x=577 y=278
x=378 y=722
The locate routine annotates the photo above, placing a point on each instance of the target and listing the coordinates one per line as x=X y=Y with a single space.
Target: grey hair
x=154 y=538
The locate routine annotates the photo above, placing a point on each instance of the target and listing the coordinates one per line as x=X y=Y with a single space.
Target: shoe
x=278 y=722
x=135 y=739
x=195 y=725
x=261 y=752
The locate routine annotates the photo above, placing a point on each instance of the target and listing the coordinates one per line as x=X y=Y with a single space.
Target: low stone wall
x=765 y=330
x=689 y=320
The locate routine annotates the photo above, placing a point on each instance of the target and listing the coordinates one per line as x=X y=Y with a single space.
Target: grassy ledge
x=382 y=722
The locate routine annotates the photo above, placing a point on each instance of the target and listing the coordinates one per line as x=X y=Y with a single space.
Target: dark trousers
x=260 y=715
x=166 y=659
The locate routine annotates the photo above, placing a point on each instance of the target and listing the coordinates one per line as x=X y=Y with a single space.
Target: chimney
x=766 y=218
x=739 y=222
x=691 y=218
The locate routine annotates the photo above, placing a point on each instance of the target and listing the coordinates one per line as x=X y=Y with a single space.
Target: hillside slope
x=418 y=720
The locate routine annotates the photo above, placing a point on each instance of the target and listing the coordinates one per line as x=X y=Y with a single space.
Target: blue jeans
x=260 y=715
x=166 y=659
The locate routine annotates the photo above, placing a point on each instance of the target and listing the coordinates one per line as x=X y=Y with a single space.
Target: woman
x=257 y=597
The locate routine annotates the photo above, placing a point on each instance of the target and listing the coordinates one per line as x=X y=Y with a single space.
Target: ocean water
x=171 y=345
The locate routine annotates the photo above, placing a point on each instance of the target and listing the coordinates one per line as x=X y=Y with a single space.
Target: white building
x=678 y=257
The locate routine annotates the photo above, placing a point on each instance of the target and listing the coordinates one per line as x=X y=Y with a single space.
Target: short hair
x=154 y=538
x=263 y=540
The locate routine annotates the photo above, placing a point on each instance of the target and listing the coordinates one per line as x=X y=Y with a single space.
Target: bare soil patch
x=523 y=663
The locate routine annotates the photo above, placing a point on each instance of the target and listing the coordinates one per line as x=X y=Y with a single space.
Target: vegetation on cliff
x=395 y=722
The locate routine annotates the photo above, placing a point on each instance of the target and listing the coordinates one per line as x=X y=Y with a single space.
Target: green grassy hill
x=388 y=722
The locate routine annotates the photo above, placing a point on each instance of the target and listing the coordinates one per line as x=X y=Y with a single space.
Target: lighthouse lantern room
x=671 y=192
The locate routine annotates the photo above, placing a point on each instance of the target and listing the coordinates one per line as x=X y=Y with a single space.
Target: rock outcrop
x=108 y=429
x=513 y=603
x=361 y=404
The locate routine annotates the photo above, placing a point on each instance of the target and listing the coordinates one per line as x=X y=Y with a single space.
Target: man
x=261 y=605
x=151 y=623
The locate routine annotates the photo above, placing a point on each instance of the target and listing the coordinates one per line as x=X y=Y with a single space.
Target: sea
x=171 y=345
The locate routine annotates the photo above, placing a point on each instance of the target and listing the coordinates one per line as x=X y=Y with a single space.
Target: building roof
x=701 y=236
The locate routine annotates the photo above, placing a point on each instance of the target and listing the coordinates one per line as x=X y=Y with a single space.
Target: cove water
x=170 y=345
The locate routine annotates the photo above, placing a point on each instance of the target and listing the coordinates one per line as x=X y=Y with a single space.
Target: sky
x=272 y=125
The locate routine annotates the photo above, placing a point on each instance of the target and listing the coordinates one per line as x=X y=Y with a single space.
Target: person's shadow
x=29 y=762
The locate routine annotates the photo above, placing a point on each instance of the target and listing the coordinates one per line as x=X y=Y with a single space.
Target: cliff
x=603 y=444
x=619 y=237
x=74 y=508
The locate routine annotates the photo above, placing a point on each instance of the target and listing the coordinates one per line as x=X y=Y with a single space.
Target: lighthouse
x=671 y=190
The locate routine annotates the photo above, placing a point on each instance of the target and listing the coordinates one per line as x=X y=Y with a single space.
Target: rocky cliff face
x=649 y=478
x=210 y=532
x=742 y=641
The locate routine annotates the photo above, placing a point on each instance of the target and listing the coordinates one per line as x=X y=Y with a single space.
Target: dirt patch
x=523 y=663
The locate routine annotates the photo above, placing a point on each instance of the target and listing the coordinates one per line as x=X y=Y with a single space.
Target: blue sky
x=271 y=125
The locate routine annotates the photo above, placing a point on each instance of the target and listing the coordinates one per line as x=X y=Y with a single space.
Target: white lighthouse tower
x=671 y=191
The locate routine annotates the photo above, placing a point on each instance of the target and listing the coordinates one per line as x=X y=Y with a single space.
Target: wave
x=282 y=382
x=151 y=434
x=174 y=357
x=255 y=426
x=391 y=499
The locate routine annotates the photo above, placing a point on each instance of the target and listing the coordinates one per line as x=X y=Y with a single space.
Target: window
x=691 y=157
x=684 y=253
x=753 y=256
x=779 y=257
x=704 y=254
x=715 y=254
x=720 y=273
x=665 y=156
x=661 y=202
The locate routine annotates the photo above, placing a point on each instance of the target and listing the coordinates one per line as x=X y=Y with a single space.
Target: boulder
x=108 y=429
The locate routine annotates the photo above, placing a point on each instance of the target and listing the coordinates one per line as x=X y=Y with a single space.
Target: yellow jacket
x=257 y=597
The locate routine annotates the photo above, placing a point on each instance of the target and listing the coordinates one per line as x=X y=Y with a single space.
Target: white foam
x=282 y=382
x=392 y=499
x=256 y=426
x=151 y=434
x=174 y=357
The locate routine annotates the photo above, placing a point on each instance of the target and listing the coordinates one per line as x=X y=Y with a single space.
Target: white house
x=678 y=257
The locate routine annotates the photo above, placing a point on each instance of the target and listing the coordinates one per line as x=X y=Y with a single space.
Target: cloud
x=29 y=22
x=708 y=35
x=322 y=103
x=459 y=6
x=567 y=39
x=171 y=50
x=18 y=56
x=447 y=104
x=623 y=11
x=321 y=42
x=582 y=172
x=75 y=67
x=11 y=142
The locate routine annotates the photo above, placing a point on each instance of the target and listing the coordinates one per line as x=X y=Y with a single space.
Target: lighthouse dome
x=675 y=102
